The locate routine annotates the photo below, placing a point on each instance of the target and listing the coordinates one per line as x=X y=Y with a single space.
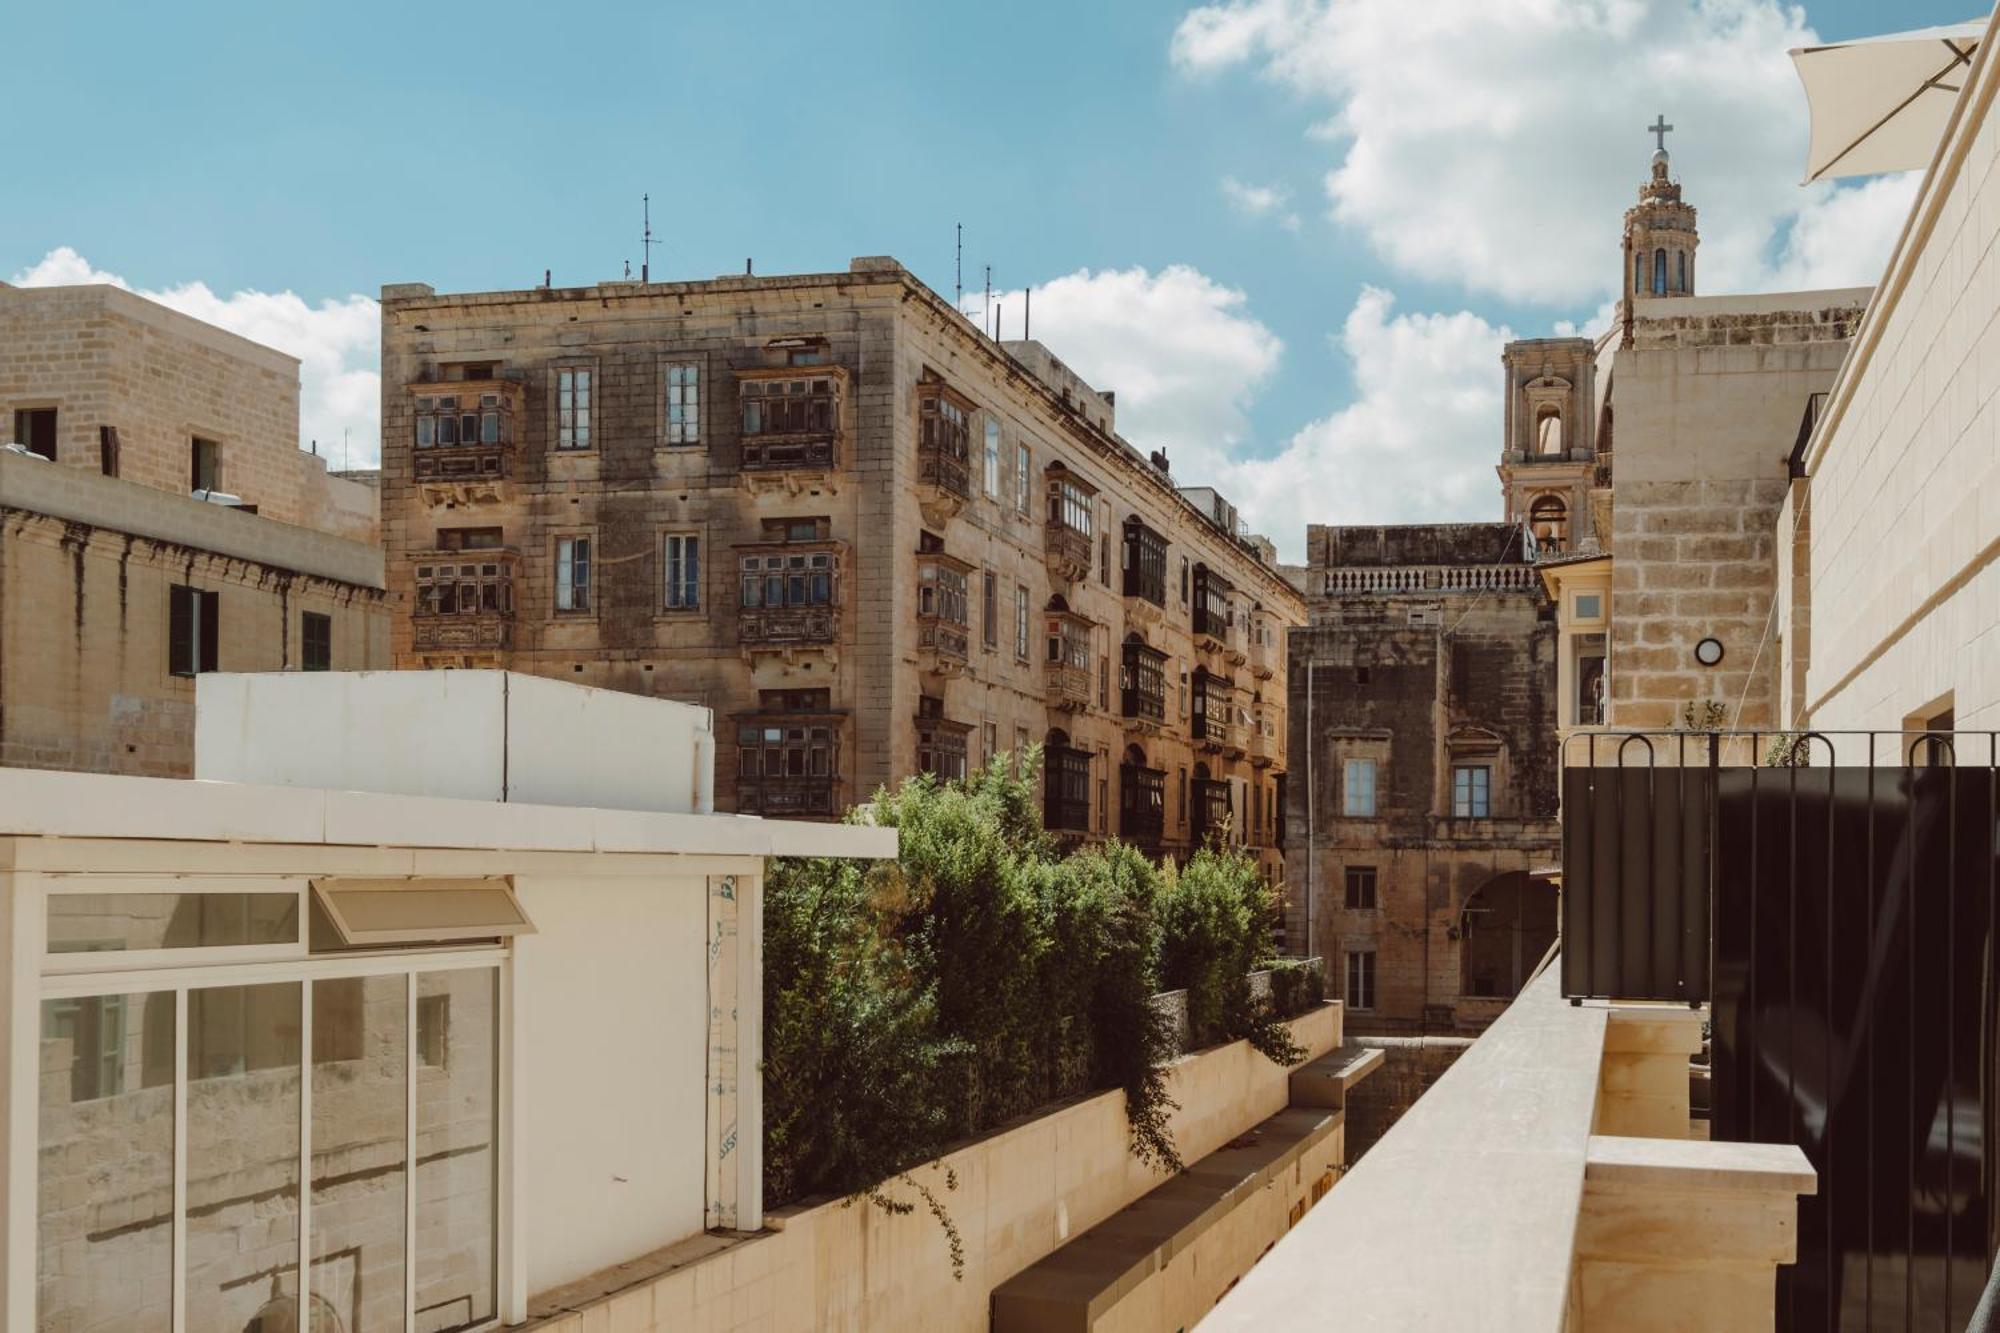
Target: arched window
x=1549 y=432
x=1548 y=519
x=1639 y=272
x=1681 y=277
x=1659 y=272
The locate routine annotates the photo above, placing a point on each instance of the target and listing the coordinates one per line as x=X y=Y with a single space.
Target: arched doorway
x=1504 y=929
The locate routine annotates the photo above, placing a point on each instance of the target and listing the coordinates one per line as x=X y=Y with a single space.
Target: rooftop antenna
x=628 y=270
x=958 y=271
x=999 y=320
x=986 y=311
x=645 y=242
x=1027 y=312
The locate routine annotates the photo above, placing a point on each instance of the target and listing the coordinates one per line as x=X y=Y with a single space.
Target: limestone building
x=1666 y=578
x=872 y=539
x=157 y=521
x=1424 y=727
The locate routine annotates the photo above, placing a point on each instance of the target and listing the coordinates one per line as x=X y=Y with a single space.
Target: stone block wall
x=84 y=681
x=886 y=334
x=102 y=356
x=1410 y=1065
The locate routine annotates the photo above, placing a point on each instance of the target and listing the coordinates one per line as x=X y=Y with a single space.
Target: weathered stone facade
x=98 y=543
x=872 y=591
x=1423 y=722
x=1709 y=400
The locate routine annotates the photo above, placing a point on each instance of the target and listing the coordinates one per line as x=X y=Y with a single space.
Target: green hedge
x=984 y=974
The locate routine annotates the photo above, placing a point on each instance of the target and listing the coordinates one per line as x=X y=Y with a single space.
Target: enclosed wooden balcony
x=1066 y=662
x=463 y=601
x=1067 y=541
x=944 y=640
x=788 y=596
x=463 y=434
x=791 y=425
x=788 y=764
x=944 y=451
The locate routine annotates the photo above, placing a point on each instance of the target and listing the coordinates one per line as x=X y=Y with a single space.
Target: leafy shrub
x=1216 y=917
x=1297 y=984
x=981 y=975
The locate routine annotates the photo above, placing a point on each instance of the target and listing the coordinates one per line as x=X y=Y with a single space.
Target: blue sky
x=323 y=151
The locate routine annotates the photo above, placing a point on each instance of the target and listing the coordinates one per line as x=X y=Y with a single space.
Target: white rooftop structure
x=397 y=1051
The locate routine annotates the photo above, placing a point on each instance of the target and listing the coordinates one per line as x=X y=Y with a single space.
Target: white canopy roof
x=1880 y=103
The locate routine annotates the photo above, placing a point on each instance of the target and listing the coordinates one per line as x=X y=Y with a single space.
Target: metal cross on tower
x=1658 y=129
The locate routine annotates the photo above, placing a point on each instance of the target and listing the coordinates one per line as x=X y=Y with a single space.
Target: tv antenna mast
x=646 y=240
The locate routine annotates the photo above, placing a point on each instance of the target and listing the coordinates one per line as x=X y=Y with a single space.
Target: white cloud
x=1417 y=445
x=338 y=343
x=1495 y=144
x=1180 y=349
x=1842 y=238
x=1261 y=201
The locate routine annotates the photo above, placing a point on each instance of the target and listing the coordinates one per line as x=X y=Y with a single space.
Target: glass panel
x=243 y=1157
x=457 y=1143
x=359 y=1137
x=106 y=1152
x=109 y=922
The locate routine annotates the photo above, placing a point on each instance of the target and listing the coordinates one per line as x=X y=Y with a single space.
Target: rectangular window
x=990 y=732
x=194 y=624
x=107 y=450
x=1360 y=888
x=1024 y=467
x=397 y=1128
x=992 y=477
x=1361 y=979
x=989 y=609
x=315 y=641
x=683 y=403
x=36 y=428
x=1357 y=797
x=572 y=409
x=573 y=574
x=205 y=465
x=682 y=561
x=1471 y=791
x=1589 y=606
x=786 y=579
x=1020 y=622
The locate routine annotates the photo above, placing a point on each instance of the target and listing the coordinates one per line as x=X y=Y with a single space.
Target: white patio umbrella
x=1880 y=103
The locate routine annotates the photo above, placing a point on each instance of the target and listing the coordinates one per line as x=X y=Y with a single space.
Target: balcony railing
x=472 y=632
x=787 y=453
x=1066 y=551
x=1067 y=687
x=787 y=796
x=950 y=643
x=1588 y=1203
x=1387 y=579
x=782 y=626
x=1831 y=896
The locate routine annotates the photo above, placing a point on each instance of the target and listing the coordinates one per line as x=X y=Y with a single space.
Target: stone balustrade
x=1363 y=580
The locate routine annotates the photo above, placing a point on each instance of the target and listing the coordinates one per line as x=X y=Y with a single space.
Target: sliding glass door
x=207 y=1151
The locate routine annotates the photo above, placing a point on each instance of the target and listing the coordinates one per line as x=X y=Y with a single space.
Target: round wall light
x=1708 y=652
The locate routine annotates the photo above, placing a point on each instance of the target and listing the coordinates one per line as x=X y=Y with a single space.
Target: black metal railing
x=1832 y=895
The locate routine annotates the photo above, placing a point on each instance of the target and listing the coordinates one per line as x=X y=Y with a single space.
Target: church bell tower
x=1660 y=236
